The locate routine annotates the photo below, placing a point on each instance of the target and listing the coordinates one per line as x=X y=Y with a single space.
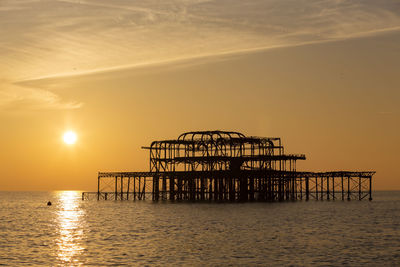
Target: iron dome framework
x=228 y=166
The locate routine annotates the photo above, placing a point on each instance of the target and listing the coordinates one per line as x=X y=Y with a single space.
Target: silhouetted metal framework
x=228 y=166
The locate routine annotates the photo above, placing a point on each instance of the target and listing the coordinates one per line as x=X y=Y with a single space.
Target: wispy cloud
x=383 y=113
x=18 y=97
x=42 y=38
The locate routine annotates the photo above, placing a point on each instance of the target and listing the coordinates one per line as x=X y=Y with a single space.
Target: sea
x=73 y=232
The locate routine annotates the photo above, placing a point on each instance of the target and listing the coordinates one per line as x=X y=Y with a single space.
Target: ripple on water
x=72 y=232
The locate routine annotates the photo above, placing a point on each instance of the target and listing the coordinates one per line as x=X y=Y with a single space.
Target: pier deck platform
x=222 y=186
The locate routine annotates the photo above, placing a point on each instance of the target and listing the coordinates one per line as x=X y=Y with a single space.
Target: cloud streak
x=16 y=97
x=46 y=38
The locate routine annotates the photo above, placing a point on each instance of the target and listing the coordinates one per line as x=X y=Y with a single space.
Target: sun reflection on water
x=70 y=219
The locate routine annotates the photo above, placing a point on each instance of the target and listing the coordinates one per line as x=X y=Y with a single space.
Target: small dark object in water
x=49 y=203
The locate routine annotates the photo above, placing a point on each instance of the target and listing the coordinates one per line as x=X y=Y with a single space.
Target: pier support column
x=122 y=187
x=164 y=188
x=322 y=188
x=301 y=187
x=210 y=189
x=293 y=180
x=251 y=180
x=370 y=188
x=179 y=194
x=348 y=188
x=135 y=192
x=231 y=184
x=127 y=190
x=172 y=187
x=202 y=188
x=280 y=193
x=215 y=188
x=144 y=187
x=192 y=189
x=139 y=188
x=243 y=189
x=221 y=189
x=327 y=187
x=307 y=189
x=116 y=188
x=98 y=187
x=342 y=189
x=156 y=184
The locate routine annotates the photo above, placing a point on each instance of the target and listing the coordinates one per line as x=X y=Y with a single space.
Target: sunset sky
x=324 y=75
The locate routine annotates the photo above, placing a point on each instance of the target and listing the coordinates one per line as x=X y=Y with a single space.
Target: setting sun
x=70 y=137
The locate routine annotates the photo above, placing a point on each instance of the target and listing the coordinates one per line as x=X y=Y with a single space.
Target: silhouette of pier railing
x=227 y=166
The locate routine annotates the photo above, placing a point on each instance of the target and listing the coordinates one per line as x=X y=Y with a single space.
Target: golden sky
x=322 y=75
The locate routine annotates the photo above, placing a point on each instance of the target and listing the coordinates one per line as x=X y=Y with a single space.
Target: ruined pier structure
x=228 y=166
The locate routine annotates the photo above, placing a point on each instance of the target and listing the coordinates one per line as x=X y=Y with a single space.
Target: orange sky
x=330 y=90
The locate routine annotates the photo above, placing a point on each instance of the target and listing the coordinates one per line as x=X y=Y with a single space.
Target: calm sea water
x=76 y=232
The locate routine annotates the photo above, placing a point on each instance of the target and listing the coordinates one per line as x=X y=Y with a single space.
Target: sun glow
x=70 y=137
